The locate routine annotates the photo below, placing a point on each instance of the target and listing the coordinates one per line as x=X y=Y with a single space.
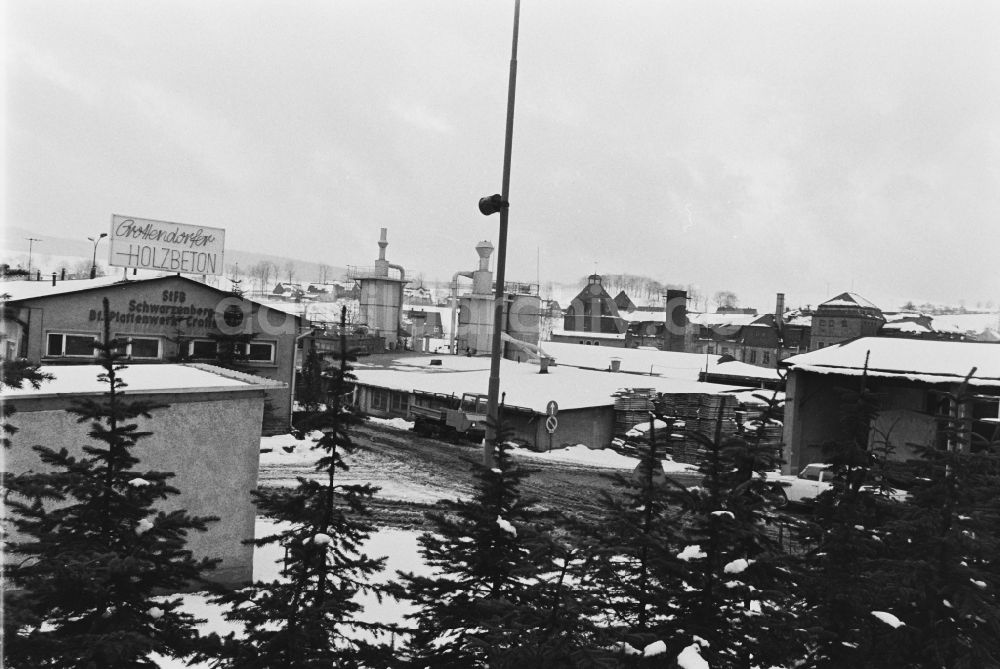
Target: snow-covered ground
x=400 y=547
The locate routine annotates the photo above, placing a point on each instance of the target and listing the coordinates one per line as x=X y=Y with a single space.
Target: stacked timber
x=700 y=413
x=632 y=406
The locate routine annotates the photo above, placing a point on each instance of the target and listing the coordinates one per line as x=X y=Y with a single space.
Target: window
x=207 y=349
x=843 y=324
x=71 y=346
x=767 y=358
x=260 y=351
x=399 y=402
x=753 y=357
x=202 y=349
x=380 y=398
x=143 y=348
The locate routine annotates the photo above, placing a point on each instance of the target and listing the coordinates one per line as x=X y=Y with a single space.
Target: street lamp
x=93 y=262
x=491 y=205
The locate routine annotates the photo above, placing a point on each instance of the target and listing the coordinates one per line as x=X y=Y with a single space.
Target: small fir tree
x=637 y=536
x=308 y=617
x=95 y=551
x=734 y=584
x=500 y=594
x=312 y=388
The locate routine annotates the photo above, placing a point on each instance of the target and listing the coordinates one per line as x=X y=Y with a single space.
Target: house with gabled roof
x=843 y=317
x=624 y=303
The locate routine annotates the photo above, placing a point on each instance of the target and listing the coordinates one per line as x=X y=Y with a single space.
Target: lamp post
x=491 y=205
x=31 y=241
x=93 y=262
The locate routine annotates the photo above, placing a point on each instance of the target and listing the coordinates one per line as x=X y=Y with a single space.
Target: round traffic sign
x=551 y=423
x=552 y=408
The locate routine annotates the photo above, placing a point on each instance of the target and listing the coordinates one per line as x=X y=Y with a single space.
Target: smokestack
x=676 y=319
x=382 y=243
x=779 y=310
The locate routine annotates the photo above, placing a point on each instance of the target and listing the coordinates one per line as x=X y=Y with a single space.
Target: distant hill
x=52 y=251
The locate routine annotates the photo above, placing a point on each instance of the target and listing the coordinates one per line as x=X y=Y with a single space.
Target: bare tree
x=290 y=270
x=324 y=272
x=726 y=299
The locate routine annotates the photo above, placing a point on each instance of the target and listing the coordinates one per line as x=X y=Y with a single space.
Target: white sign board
x=167 y=247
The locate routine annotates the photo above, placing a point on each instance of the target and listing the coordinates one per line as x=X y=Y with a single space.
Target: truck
x=457 y=420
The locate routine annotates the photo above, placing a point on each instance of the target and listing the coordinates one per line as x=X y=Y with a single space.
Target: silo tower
x=381 y=300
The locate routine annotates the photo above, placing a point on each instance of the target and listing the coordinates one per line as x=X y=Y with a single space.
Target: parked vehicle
x=465 y=421
x=813 y=480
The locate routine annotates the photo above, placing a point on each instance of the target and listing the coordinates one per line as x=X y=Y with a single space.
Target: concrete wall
x=593 y=427
x=211 y=441
x=164 y=308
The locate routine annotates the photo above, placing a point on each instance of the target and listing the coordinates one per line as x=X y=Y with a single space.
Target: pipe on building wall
x=402 y=282
x=453 y=345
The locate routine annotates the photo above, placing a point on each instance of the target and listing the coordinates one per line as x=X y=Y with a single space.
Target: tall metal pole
x=492 y=404
x=31 y=241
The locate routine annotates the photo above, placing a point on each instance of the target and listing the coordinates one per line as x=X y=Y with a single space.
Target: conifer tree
x=501 y=591
x=695 y=566
x=638 y=536
x=16 y=373
x=838 y=576
x=312 y=390
x=95 y=553
x=735 y=588
x=308 y=617
x=944 y=553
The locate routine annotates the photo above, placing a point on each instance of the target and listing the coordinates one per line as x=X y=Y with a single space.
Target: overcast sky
x=803 y=147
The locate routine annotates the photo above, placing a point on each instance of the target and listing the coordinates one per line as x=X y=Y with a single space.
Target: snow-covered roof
x=965 y=322
x=848 y=300
x=722 y=319
x=571 y=387
x=24 y=290
x=620 y=336
x=743 y=369
x=643 y=361
x=906 y=326
x=929 y=361
x=79 y=380
x=643 y=316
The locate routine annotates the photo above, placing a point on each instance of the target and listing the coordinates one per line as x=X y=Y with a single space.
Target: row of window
x=832 y=323
x=387 y=400
x=65 y=345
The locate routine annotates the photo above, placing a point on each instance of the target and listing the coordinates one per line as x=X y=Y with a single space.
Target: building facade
x=166 y=319
x=844 y=317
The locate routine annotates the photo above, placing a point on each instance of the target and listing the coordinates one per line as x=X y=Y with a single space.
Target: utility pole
x=31 y=241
